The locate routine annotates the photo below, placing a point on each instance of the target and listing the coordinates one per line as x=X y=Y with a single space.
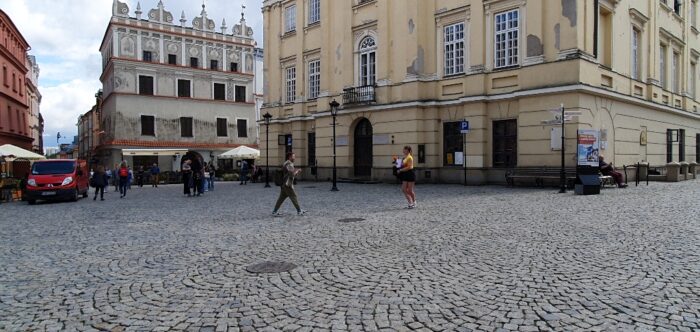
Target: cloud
x=66 y=35
x=62 y=104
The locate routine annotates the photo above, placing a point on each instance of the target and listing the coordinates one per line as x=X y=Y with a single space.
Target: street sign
x=567 y=112
x=464 y=127
x=552 y=122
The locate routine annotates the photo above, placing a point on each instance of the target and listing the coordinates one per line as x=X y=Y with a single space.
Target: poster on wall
x=588 y=147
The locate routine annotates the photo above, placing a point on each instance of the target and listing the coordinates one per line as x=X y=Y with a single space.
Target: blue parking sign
x=464 y=127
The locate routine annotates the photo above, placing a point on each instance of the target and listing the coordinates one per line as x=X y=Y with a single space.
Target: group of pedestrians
x=197 y=178
x=249 y=172
x=121 y=177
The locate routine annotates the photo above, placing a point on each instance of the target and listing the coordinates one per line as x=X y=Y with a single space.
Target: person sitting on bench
x=608 y=170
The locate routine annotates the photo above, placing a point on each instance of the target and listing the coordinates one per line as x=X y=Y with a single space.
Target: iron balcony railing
x=359 y=95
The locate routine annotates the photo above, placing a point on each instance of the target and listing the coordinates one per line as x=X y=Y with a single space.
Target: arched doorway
x=363 y=149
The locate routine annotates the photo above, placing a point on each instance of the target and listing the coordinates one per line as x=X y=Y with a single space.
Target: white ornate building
x=259 y=85
x=36 y=121
x=173 y=87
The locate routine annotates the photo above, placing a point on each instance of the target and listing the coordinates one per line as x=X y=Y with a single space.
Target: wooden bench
x=539 y=175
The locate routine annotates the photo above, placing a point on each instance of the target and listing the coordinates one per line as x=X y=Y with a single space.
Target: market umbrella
x=11 y=152
x=241 y=152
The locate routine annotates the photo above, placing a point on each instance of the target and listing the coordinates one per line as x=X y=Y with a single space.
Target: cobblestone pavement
x=477 y=258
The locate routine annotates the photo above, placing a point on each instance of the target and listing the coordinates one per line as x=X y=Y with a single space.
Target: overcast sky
x=65 y=37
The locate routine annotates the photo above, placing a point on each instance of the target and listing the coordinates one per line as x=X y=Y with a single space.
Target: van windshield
x=53 y=167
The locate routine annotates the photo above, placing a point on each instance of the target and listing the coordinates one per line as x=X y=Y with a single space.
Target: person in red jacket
x=123 y=179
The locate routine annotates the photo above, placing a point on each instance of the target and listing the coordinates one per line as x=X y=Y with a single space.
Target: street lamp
x=267 y=117
x=334 y=112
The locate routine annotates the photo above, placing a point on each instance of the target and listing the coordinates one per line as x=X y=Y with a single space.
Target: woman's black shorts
x=408 y=176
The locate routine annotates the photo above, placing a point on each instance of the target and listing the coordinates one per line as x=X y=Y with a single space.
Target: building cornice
x=20 y=65
x=270 y=3
x=7 y=18
x=114 y=60
x=230 y=102
x=638 y=16
x=23 y=101
x=672 y=38
x=123 y=143
x=584 y=88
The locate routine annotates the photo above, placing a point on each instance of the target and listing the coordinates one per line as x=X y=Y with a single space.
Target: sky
x=65 y=37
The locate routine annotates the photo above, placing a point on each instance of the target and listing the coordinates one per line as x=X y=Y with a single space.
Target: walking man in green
x=287 y=186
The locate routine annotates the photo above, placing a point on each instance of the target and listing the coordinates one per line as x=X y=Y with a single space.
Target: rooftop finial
x=183 y=20
x=223 y=27
x=138 y=11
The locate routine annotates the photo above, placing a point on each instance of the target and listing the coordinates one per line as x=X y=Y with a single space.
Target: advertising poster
x=588 y=147
x=459 y=158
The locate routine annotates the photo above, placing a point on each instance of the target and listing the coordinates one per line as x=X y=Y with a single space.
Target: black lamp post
x=267 y=118
x=334 y=112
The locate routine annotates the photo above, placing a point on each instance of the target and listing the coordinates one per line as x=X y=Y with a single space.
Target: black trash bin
x=587 y=184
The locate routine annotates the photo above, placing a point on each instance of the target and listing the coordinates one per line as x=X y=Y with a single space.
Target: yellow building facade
x=406 y=72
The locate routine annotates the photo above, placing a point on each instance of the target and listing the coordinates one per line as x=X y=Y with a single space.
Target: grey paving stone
x=468 y=259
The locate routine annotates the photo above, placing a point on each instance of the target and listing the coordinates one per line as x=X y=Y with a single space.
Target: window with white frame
x=148 y=125
x=662 y=66
x=219 y=91
x=454 y=49
x=184 y=88
x=368 y=61
x=693 y=78
x=314 y=79
x=507 y=33
x=291 y=79
x=290 y=18
x=221 y=127
x=242 y=127
x=146 y=85
x=675 y=68
x=694 y=13
x=635 y=53
x=314 y=11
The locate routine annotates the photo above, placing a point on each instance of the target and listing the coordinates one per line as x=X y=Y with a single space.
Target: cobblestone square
x=467 y=259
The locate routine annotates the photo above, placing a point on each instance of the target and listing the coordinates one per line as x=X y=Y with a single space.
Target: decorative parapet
x=160 y=15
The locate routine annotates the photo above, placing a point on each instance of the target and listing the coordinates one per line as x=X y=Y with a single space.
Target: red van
x=57 y=179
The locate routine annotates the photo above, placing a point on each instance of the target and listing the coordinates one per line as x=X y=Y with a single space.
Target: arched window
x=368 y=61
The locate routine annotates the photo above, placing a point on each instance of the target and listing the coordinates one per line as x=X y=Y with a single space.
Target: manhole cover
x=270 y=267
x=351 y=220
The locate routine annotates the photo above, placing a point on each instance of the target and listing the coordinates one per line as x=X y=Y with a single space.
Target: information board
x=588 y=147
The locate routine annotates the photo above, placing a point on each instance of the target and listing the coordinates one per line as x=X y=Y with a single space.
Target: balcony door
x=363 y=149
x=368 y=61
